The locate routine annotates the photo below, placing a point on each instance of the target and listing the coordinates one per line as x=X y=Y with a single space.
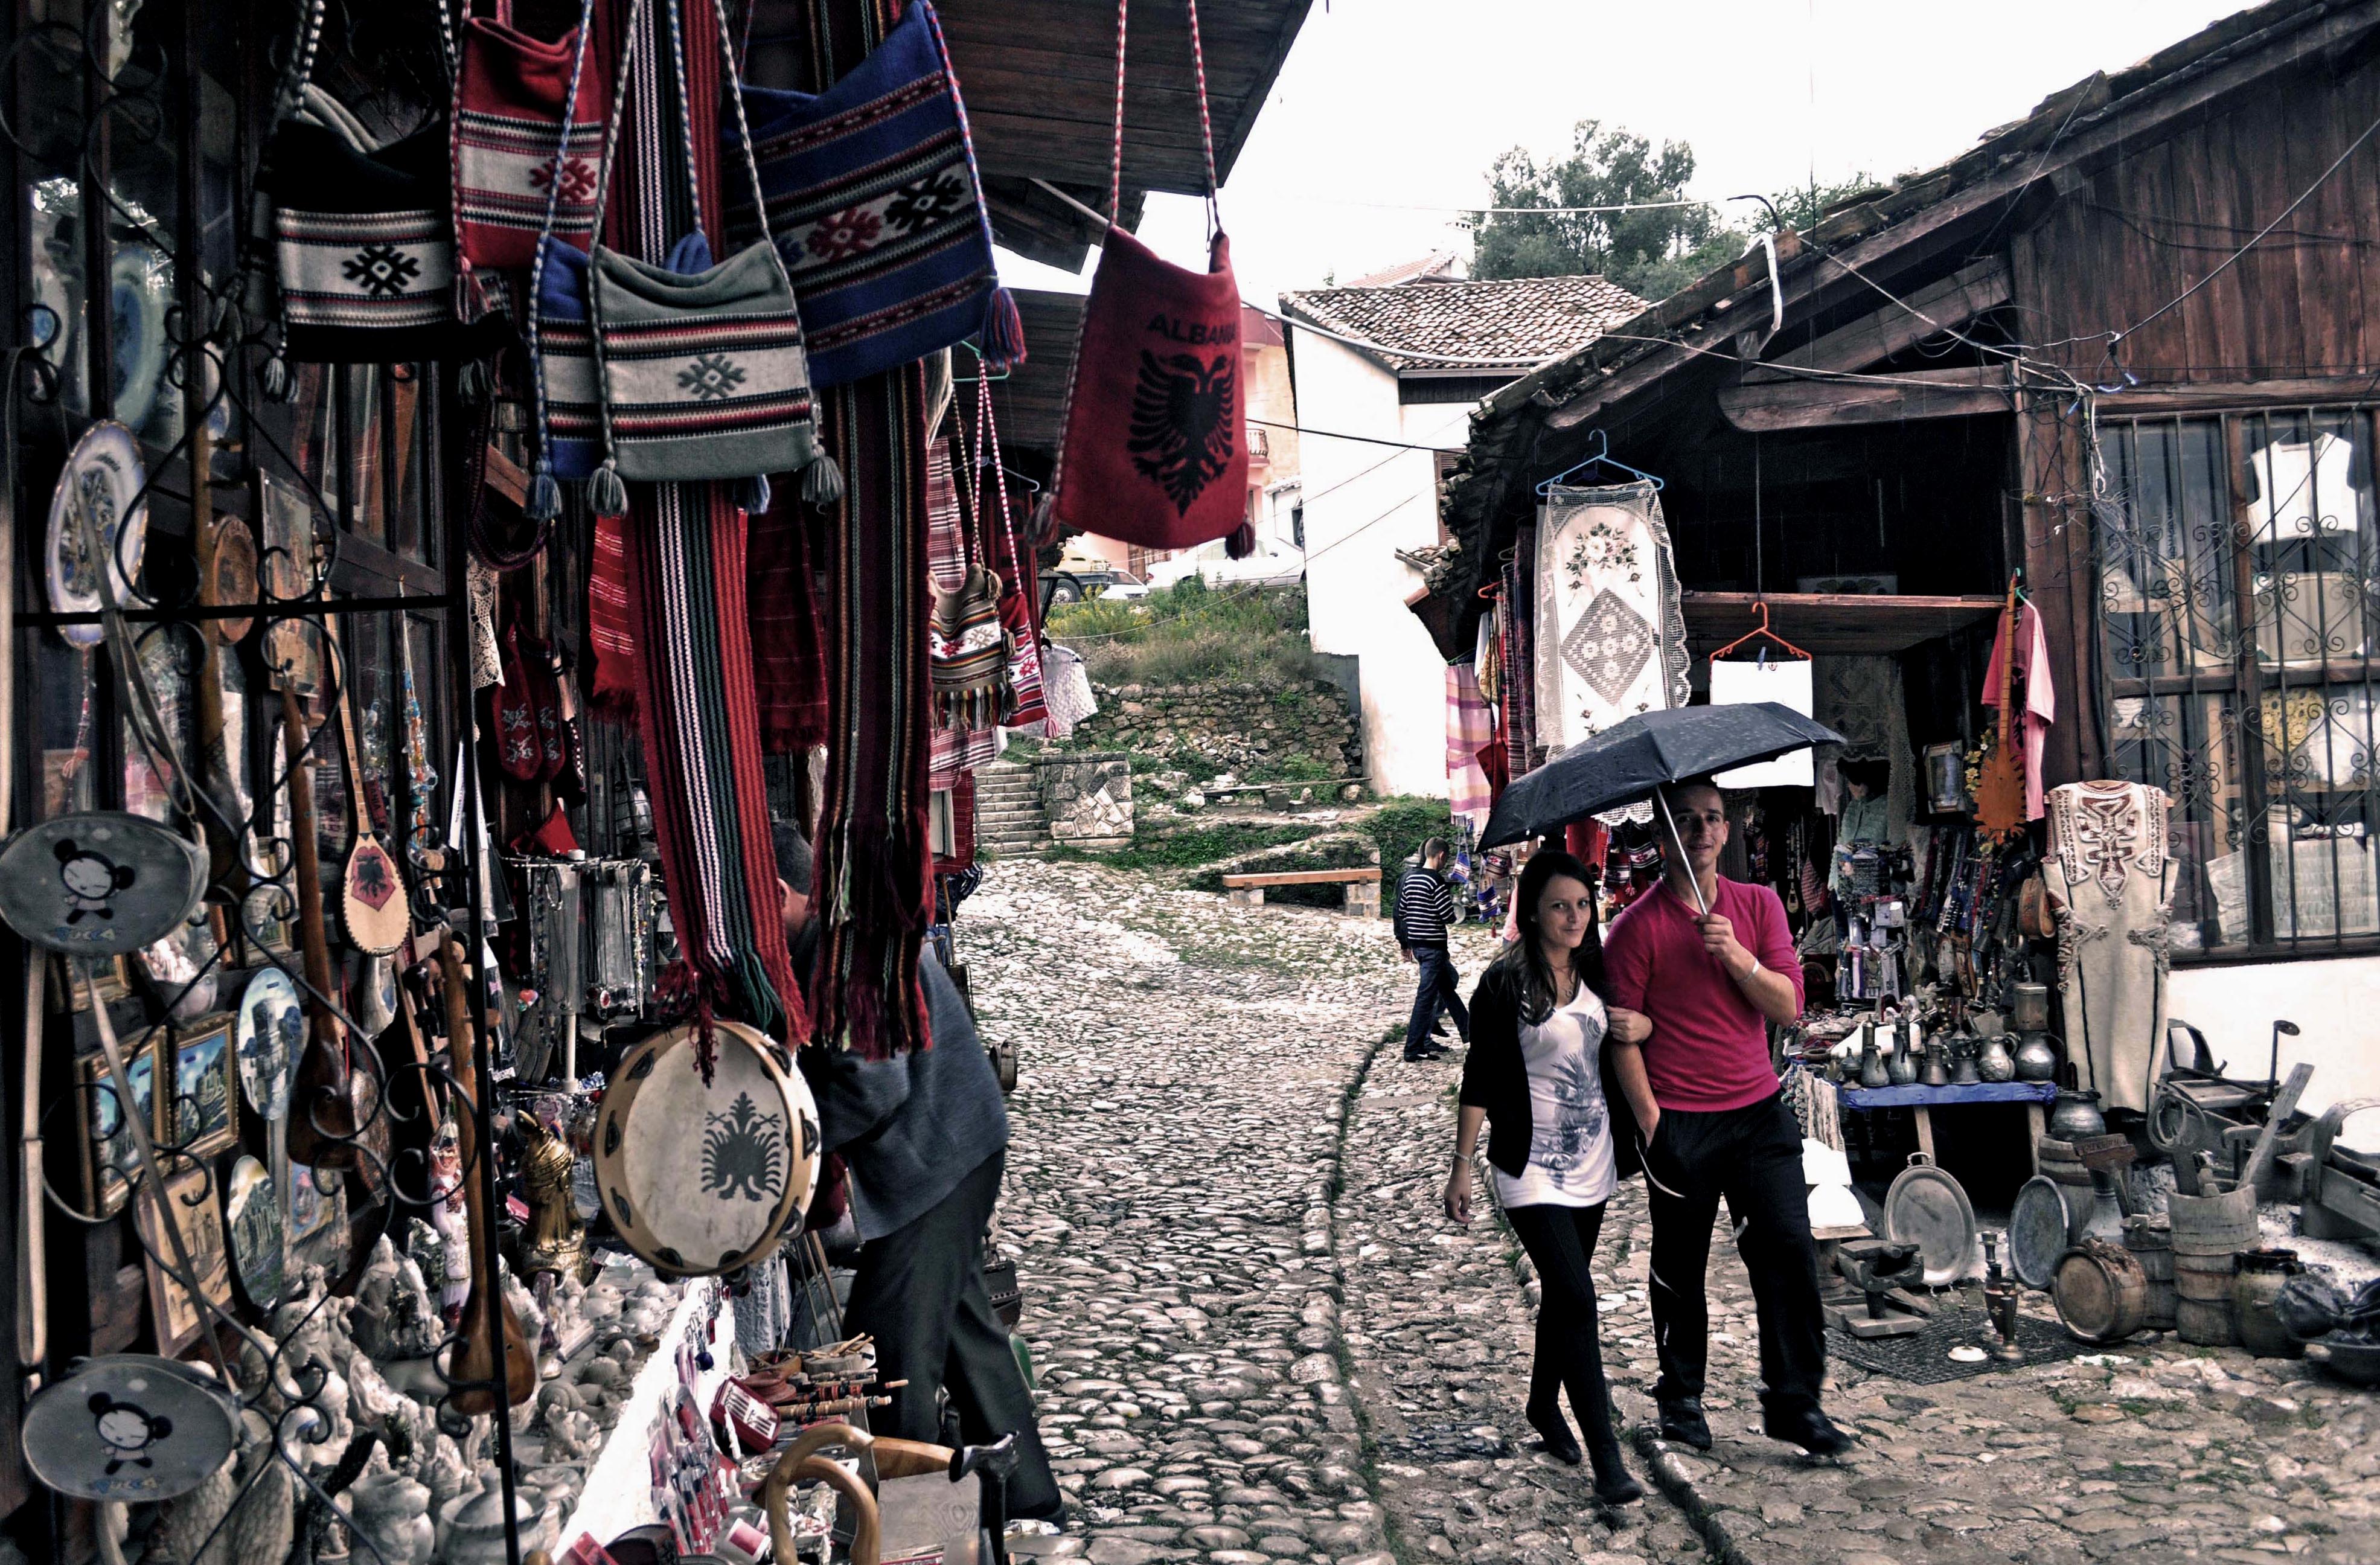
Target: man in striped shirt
x=1425 y=907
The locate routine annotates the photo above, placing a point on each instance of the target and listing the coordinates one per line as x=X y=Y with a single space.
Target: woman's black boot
x=1614 y=1484
x=1547 y=1419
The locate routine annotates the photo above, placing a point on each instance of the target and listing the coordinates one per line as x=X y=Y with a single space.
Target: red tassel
x=1243 y=542
x=1004 y=331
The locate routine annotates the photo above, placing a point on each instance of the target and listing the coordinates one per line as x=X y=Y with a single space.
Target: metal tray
x=1927 y=1207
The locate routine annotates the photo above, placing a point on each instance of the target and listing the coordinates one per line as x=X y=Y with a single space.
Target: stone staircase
x=1008 y=818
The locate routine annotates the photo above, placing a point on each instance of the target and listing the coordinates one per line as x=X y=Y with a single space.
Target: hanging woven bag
x=523 y=166
x=702 y=376
x=1153 y=452
x=363 y=241
x=872 y=191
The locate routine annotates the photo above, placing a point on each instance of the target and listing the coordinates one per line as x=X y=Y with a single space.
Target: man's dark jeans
x=1435 y=990
x=1752 y=1156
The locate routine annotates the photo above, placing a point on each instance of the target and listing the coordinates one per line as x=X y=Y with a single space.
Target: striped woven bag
x=363 y=241
x=521 y=171
x=702 y=376
x=872 y=191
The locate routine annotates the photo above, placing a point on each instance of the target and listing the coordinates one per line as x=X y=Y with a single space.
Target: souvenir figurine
x=555 y=1239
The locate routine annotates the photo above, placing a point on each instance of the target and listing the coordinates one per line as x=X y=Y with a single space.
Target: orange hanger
x=1492 y=591
x=1760 y=607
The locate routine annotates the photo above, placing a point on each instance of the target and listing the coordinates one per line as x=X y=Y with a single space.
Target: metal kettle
x=1901 y=1067
x=1937 y=1064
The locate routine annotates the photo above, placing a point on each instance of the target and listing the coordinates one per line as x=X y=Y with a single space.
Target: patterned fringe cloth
x=875 y=884
x=668 y=612
x=788 y=645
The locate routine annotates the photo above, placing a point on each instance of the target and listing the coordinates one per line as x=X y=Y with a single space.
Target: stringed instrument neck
x=487 y=1319
x=322 y=1112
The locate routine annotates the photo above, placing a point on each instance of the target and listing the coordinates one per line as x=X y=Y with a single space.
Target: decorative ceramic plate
x=234 y=577
x=137 y=295
x=701 y=1178
x=1927 y=1207
x=128 y=1426
x=103 y=476
x=272 y=1026
x=99 y=882
x=258 y=1245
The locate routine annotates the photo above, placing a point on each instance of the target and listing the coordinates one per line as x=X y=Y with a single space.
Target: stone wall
x=1087 y=799
x=1234 y=728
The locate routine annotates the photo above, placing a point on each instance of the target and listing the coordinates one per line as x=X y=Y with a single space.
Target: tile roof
x=1519 y=321
x=1437 y=266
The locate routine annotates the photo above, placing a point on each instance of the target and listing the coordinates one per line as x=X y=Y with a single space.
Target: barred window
x=2240 y=636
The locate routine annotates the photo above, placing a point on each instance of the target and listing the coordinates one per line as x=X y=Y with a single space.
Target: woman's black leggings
x=1561 y=1242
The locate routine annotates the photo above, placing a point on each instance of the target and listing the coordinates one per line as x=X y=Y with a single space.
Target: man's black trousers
x=1752 y=1156
x=919 y=1292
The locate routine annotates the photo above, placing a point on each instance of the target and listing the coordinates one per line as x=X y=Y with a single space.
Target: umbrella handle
x=1662 y=797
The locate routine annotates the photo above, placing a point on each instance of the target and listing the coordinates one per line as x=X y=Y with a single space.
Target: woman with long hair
x=1534 y=1074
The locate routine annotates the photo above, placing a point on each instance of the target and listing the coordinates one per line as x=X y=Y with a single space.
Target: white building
x=1378 y=422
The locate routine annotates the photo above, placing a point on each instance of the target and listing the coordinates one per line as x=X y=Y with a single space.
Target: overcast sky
x=1389 y=105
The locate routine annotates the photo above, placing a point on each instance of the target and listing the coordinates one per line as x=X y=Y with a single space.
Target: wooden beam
x=1882 y=399
x=1831 y=623
x=1876 y=336
x=2215 y=396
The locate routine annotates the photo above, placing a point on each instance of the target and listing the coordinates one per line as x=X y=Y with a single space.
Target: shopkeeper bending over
x=924 y=1137
x=1714 y=1124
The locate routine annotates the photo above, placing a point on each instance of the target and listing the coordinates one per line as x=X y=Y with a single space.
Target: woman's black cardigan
x=1495 y=1079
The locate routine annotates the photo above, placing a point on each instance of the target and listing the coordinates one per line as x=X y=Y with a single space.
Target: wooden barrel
x=2150 y=1238
x=2101 y=1294
x=2058 y=1162
x=2206 y=1279
x=2206 y=1325
x=2214 y=1225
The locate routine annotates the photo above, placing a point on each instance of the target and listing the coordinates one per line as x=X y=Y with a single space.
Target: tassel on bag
x=822 y=480
x=544 y=494
x=1004 y=331
x=607 y=492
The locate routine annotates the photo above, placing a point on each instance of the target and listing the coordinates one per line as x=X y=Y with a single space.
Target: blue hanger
x=1602 y=453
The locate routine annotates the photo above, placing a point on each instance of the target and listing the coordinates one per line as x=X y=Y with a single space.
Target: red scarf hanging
x=788 y=644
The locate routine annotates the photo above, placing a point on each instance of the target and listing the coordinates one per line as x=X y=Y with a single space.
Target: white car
x=1273 y=564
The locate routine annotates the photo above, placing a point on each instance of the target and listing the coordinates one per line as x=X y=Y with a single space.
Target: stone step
x=1007 y=817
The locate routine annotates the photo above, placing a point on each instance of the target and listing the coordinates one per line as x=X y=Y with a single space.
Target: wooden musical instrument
x=1999 y=786
x=373 y=907
x=485 y=1314
x=322 y=1107
x=703 y=1176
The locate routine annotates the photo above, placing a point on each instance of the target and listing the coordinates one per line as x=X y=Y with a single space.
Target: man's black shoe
x=1683 y=1421
x=1425 y=1052
x=1810 y=1429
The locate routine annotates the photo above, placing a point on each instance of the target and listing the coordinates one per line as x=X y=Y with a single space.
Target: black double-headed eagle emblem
x=1183 y=424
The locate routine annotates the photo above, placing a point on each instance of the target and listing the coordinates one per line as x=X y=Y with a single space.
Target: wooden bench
x=1362 y=886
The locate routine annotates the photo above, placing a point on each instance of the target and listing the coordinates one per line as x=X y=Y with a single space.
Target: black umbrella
x=1630 y=760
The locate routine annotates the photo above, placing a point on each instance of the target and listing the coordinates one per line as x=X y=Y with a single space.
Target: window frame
x=2236 y=669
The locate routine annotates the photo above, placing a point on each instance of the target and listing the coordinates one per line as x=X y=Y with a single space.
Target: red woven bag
x=512 y=161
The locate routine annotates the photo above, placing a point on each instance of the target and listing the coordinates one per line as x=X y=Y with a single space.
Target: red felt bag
x=1155 y=451
x=518 y=171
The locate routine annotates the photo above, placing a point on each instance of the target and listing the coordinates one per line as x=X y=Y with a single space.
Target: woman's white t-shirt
x=1569 y=1140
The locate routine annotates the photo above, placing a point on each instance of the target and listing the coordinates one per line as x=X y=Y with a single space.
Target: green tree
x=1651 y=253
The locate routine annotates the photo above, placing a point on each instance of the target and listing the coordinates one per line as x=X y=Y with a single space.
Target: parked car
x=1074 y=581
x=1273 y=564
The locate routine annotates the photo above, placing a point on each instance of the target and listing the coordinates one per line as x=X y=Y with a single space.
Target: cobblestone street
x=1258 y=1344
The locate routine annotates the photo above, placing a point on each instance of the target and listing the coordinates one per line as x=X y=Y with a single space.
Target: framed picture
x=110 y=1157
x=317 y=1201
x=110 y=977
x=202 y=1114
x=190 y=1198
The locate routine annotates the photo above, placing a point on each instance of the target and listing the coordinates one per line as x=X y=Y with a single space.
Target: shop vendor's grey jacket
x=911 y=1127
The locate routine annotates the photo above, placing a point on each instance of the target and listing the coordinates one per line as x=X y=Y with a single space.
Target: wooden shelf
x=1840 y=624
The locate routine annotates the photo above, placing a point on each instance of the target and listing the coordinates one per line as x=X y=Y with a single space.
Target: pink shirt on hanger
x=2040 y=696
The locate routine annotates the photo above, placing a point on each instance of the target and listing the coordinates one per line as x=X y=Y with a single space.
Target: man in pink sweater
x=1713 y=1123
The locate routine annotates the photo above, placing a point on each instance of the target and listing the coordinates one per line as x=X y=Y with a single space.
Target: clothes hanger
x=1602 y=453
x=1760 y=608
x=995 y=377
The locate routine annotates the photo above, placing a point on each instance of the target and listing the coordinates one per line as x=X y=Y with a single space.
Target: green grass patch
x=1200 y=846
x=1190 y=633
